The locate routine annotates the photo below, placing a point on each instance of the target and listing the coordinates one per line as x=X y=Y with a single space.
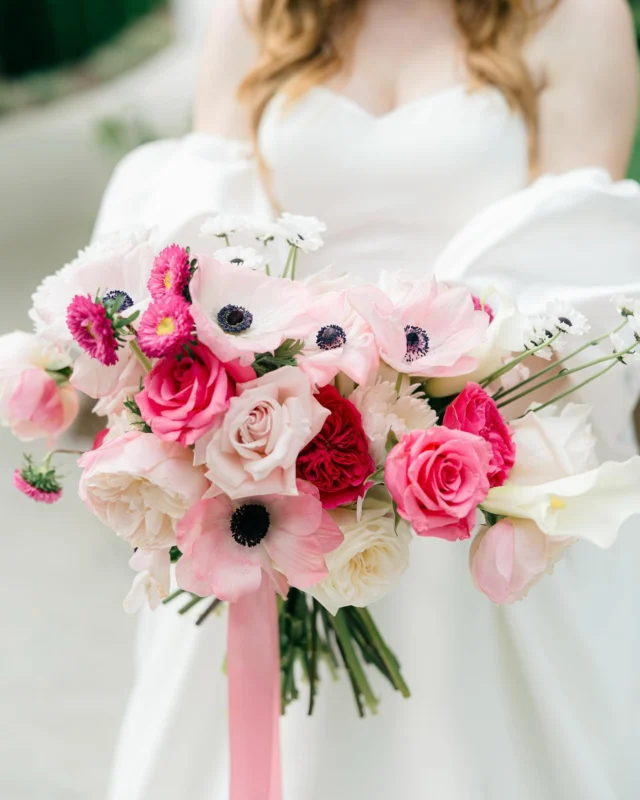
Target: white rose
x=555 y=484
x=141 y=487
x=370 y=561
x=384 y=409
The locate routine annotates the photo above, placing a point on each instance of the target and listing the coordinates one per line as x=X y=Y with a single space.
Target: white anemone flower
x=302 y=232
x=239 y=312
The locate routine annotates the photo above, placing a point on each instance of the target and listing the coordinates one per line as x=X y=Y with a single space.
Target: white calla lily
x=590 y=506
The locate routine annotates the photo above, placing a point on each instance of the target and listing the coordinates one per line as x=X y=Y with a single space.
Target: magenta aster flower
x=39 y=483
x=171 y=272
x=165 y=327
x=92 y=328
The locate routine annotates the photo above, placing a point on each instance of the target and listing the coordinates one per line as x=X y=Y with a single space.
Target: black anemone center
x=417 y=343
x=565 y=321
x=234 y=319
x=250 y=524
x=237 y=261
x=123 y=300
x=330 y=337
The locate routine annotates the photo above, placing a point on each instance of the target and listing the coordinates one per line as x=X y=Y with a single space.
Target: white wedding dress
x=537 y=701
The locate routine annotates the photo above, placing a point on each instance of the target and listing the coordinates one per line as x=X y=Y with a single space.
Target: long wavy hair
x=303 y=43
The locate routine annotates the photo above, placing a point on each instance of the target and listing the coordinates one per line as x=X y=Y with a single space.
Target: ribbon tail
x=253 y=667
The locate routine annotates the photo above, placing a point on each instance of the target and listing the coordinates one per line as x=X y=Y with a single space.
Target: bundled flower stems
x=285 y=444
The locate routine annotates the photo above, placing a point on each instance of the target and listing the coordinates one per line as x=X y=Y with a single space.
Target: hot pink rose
x=438 y=478
x=474 y=411
x=183 y=397
x=507 y=559
x=34 y=406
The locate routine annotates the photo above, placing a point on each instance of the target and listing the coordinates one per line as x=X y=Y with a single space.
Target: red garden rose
x=184 y=395
x=337 y=461
x=474 y=411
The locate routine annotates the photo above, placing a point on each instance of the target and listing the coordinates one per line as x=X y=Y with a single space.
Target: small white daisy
x=568 y=319
x=626 y=306
x=224 y=225
x=241 y=257
x=302 y=232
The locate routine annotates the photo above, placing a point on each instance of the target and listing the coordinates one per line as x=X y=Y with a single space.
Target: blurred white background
x=67 y=664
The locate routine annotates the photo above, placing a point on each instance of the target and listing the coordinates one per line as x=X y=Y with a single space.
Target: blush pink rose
x=183 y=397
x=474 y=411
x=35 y=406
x=438 y=478
x=509 y=558
x=254 y=450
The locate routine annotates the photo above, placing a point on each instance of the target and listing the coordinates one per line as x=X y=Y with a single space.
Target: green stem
x=287 y=265
x=193 y=602
x=137 y=352
x=504 y=392
x=352 y=662
x=226 y=239
x=564 y=373
x=208 y=610
x=173 y=596
x=313 y=660
x=385 y=654
x=518 y=360
x=294 y=264
x=574 y=388
x=399 y=380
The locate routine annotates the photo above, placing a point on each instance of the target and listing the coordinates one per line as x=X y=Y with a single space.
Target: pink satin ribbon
x=253 y=668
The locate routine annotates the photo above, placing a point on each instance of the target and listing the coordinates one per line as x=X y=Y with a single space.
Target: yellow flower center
x=166 y=326
x=168 y=280
x=89 y=327
x=557 y=504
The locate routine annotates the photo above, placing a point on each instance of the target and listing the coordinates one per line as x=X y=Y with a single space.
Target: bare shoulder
x=229 y=53
x=585 y=53
x=595 y=35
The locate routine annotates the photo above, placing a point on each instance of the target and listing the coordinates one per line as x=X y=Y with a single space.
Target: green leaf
x=392 y=441
x=283 y=356
x=175 y=554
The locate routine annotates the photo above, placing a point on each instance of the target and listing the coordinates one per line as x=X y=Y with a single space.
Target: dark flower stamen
x=234 y=319
x=238 y=261
x=124 y=301
x=330 y=337
x=565 y=321
x=417 y=343
x=250 y=524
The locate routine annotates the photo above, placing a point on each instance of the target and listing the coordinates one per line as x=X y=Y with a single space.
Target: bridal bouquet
x=275 y=438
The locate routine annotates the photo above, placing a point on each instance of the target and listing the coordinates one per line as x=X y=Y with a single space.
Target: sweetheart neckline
x=422 y=101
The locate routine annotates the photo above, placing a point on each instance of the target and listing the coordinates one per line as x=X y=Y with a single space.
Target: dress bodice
x=392 y=189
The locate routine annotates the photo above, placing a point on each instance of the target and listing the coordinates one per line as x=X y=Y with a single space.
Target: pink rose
x=35 y=406
x=254 y=450
x=507 y=559
x=474 y=411
x=35 y=398
x=183 y=397
x=141 y=487
x=438 y=478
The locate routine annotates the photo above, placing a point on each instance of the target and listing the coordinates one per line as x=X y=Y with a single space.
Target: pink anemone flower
x=429 y=332
x=227 y=545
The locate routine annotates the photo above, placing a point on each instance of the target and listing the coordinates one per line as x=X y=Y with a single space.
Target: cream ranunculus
x=556 y=481
x=141 y=487
x=383 y=409
x=370 y=561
